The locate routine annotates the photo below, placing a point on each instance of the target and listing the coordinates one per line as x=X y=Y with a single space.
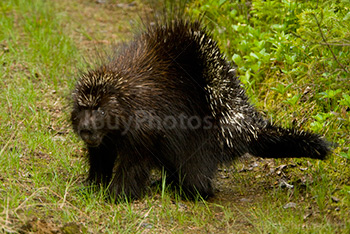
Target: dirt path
x=97 y=23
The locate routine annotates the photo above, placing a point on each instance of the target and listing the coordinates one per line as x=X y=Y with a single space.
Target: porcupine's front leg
x=131 y=175
x=101 y=161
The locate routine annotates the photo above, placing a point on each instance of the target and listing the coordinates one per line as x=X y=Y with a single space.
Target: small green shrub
x=294 y=55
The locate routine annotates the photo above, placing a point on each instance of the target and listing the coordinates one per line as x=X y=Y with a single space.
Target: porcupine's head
x=95 y=109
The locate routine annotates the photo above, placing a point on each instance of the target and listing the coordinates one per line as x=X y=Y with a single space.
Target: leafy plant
x=346 y=154
x=345 y=101
x=293 y=100
x=282 y=89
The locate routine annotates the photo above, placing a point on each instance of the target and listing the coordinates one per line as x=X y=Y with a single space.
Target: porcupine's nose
x=89 y=137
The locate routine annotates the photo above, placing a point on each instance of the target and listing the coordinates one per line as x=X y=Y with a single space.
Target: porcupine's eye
x=101 y=111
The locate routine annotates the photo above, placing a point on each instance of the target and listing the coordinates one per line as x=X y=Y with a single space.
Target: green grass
x=42 y=169
x=36 y=157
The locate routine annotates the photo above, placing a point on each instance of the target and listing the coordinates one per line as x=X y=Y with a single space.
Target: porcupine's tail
x=277 y=142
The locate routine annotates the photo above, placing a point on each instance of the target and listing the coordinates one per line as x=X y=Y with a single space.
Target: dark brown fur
x=170 y=100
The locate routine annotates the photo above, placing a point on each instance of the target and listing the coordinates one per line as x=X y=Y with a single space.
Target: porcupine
x=169 y=99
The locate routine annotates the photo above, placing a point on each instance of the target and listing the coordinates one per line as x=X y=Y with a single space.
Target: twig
x=28 y=198
x=64 y=199
x=335 y=44
x=13 y=135
x=326 y=43
x=144 y=218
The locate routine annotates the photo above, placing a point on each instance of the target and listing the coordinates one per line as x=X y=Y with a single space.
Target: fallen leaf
x=290 y=205
x=335 y=199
